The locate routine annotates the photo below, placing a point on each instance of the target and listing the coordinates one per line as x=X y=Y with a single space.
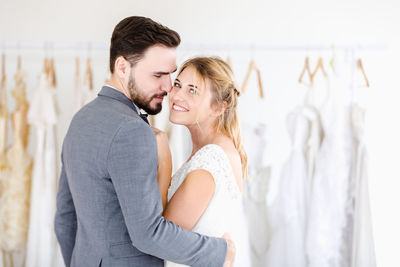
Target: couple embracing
x=117 y=204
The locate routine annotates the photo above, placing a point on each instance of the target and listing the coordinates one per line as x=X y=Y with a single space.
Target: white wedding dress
x=363 y=252
x=329 y=221
x=288 y=213
x=42 y=247
x=224 y=213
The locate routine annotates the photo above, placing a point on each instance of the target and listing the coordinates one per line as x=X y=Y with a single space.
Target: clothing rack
x=89 y=46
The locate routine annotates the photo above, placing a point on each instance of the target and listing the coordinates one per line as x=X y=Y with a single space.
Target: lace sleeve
x=213 y=159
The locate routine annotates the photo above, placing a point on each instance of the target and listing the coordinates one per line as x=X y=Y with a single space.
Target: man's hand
x=231 y=251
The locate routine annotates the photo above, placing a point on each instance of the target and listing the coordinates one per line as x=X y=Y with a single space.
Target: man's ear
x=220 y=108
x=122 y=67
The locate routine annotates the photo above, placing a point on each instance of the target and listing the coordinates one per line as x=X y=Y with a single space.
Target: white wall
x=241 y=22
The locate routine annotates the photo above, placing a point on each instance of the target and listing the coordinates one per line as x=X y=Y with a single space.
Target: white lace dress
x=224 y=213
x=288 y=213
x=328 y=231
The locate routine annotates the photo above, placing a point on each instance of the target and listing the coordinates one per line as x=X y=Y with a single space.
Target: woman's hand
x=164 y=164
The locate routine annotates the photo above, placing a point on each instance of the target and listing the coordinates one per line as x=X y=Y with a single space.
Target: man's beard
x=141 y=101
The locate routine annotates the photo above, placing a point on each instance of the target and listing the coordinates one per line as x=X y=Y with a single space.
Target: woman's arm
x=191 y=199
x=164 y=165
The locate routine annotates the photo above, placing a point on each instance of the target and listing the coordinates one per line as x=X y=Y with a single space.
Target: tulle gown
x=14 y=201
x=328 y=229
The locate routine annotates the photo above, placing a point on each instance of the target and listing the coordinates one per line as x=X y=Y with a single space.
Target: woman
x=205 y=193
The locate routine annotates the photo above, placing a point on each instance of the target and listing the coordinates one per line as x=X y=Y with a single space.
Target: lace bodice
x=213 y=159
x=224 y=213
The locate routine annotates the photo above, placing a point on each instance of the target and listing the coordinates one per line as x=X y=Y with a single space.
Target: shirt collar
x=114 y=93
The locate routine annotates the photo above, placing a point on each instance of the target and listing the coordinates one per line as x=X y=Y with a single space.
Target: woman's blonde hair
x=224 y=90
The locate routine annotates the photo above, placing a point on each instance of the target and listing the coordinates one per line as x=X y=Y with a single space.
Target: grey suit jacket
x=108 y=204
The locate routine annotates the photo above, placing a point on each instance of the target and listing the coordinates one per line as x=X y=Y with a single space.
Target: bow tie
x=144 y=117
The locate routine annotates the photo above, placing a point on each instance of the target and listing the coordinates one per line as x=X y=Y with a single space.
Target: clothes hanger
x=46 y=66
x=306 y=69
x=320 y=66
x=89 y=74
x=3 y=71
x=260 y=86
x=46 y=61
x=360 y=66
x=19 y=63
x=332 y=61
x=77 y=69
x=53 y=67
x=52 y=73
x=49 y=66
x=52 y=78
x=247 y=77
x=3 y=94
x=309 y=97
x=19 y=74
x=253 y=67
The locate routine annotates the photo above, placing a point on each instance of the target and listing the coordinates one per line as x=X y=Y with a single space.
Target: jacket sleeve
x=132 y=165
x=65 y=224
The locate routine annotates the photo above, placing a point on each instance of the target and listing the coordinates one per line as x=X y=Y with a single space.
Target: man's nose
x=166 y=84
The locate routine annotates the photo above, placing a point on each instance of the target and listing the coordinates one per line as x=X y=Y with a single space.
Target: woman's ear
x=220 y=108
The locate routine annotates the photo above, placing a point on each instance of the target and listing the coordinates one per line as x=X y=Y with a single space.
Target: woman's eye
x=157 y=76
x=177 y=85
x=192 y=91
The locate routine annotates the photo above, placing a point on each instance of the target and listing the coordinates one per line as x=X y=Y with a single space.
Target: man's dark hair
x=134 y=35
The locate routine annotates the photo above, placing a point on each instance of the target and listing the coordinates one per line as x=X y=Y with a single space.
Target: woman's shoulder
x=233 y=156
x=228 y=147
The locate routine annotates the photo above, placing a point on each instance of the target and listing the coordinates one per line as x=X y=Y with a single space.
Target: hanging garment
x=3 y=139
x=289 y=211
x=3 y=125
x=83 y=95
x=327 y=243
x=84 y=92
x=363 y=253
x=253 y=116
x=224 y=212
x=254 y=133
x=255 y=190
x=315 y=98
x=42 y=244
x=313 y=144
x=14 y=202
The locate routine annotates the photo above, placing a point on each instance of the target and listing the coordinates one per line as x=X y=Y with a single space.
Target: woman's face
x=190 y=100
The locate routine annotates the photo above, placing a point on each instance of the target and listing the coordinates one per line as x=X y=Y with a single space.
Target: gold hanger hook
x=361 y=68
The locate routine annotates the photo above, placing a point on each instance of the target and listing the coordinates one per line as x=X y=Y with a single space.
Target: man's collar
x=114 y=93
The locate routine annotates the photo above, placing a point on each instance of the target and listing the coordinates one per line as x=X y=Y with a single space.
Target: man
x=109 y=204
